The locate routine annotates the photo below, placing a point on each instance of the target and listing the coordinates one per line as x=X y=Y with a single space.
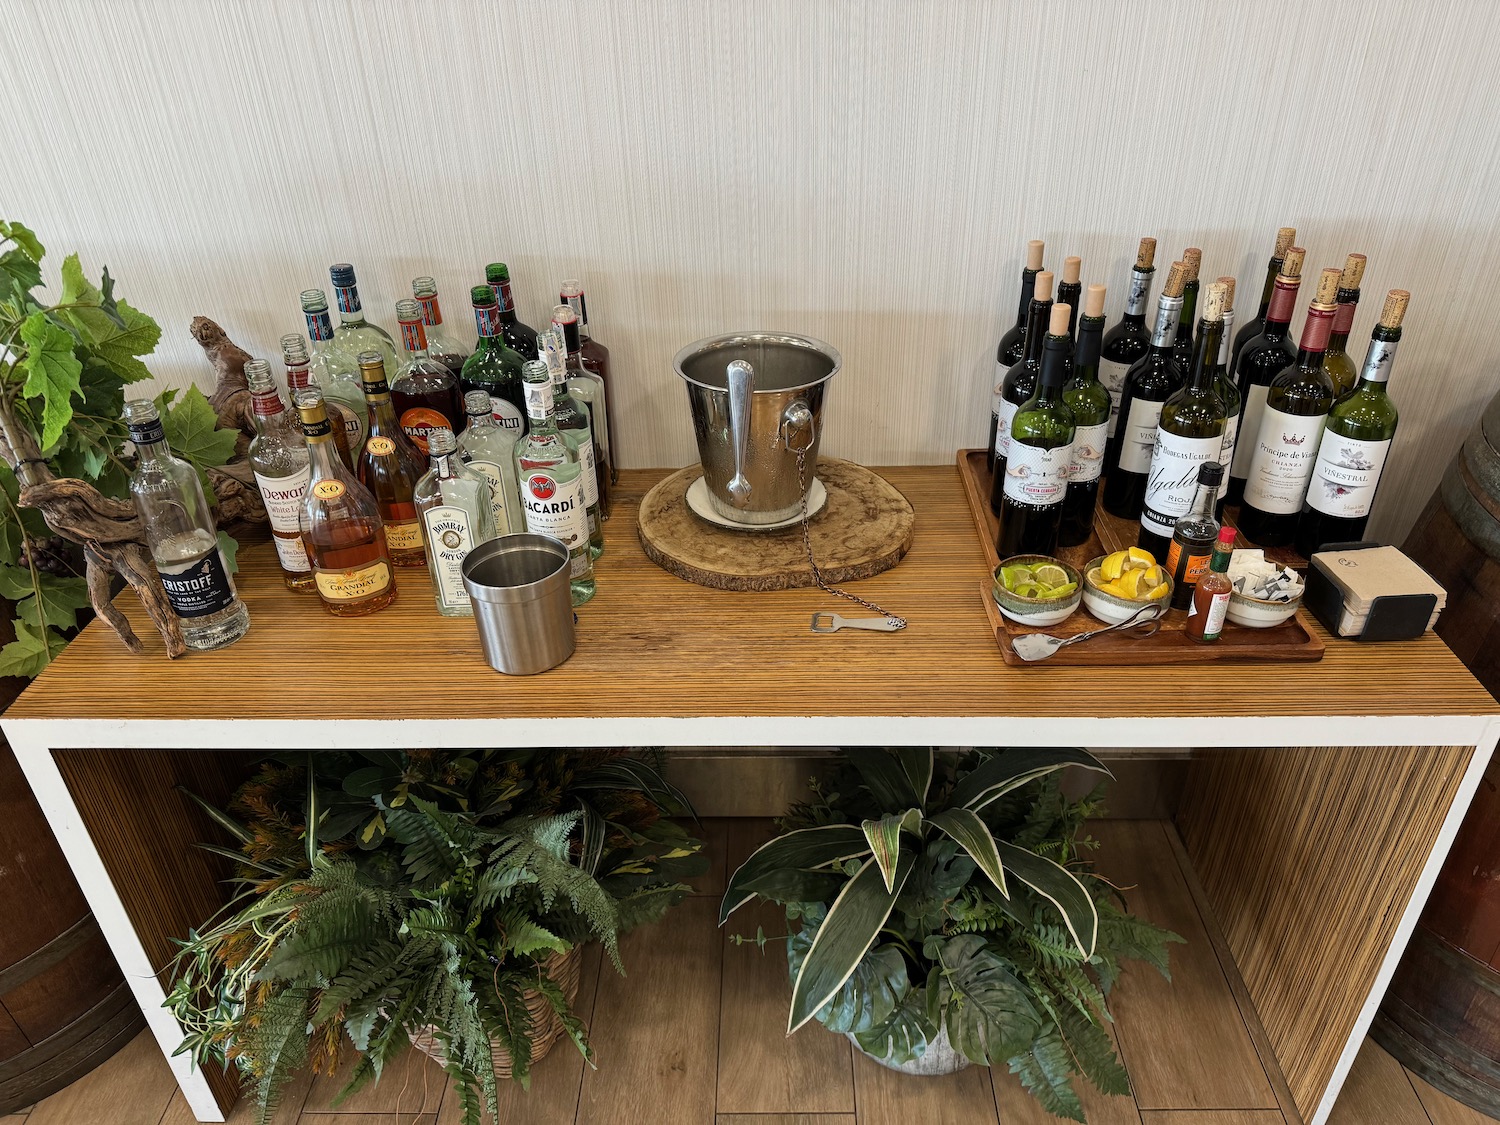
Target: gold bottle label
x=380 y=446
x=404 y=536
x=355 y=585
x=328 y=489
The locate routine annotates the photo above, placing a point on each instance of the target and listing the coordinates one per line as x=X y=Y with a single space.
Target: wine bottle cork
x=1072 y=267
x=1395 y=308
x=1213 y=304
x=1284 y=239
x=1192 y=257
x=1093 y=301
x=1043 y=286
x=1354 y=271
x=1291 y=262
x=1228 y=284
x=1060 y=314
x=1175 y=280
x=1328 y=287
x=1034 y=250
x=1146 y=254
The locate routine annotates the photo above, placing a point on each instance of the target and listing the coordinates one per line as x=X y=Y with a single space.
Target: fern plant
x=955 y=895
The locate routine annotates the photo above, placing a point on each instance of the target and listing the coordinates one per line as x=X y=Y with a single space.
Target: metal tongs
x=832 y=623
x=1039 y=646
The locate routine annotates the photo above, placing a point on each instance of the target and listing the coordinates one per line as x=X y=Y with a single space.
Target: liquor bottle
x=333 y=370
x=182 y=536
x=572 y=421
x=1150 y=382
x=521 y=338
x=348 y=426
x=1041 y=452
x=390 y=466
x=447 y=349
x=565 y=326
x=594 y=357
x=490 y=450
x=457 y=515
x=1261 y=359
x=355 y=334
x=551 y=482
x=1228 y=393
x=1211 y=595
x=1182 y=350
x=1069 y=292
x=1355 y=443
x=278 y=458
x=1012 y=347
x=1194 y=536
x=1129 y=340
x=1189 y=433
x=341 y=527
x=1256 y=324
x=425 y=393
x=1291 y=429
x=1021 y=379
x=495 y=367
x=1341 y=370
x=1090 y=403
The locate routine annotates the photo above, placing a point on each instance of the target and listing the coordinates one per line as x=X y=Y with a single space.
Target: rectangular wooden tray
x=1291 y=641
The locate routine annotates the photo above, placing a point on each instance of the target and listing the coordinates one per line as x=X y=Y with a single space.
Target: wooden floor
x=694 y=1035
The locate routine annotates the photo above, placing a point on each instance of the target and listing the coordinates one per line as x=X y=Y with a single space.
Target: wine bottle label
x=1346 y=474
x=1283 y=460
x=1088 y=453
x=491 y=472
x=503 y=297
x=1034 y=476
x=404 y=536
x=283 y=499
x=420 y=421
x=1250 y=416
x=355 y=584
x=320 y=325
x=1002 y=427
x=1112 y=375
x=504 y=412
x=450 y=536
x=1174 y=478
x=1140 y=436
x=198 y=587
x=1226 y=451
x=555 y=507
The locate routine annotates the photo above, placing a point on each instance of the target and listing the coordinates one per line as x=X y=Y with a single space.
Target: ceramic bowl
x=1112 y=609
x=1037 y=611
x=1257 y=613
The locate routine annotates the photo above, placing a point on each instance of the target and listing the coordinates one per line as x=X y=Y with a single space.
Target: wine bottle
x=519 y=337
x=1355 y=442
x=1230 y=394
x=1194 y=536
x=1341 y=370
x=1041 y=442
x=1182 y=350
x=1013 y=344
x=1090 y=403
x=1253 y=327
x=1261 y=359
x=1150 y=382
x=1069 y=290
x=1291 y=429
x=1129 y=340
x=1189 y=433
x=1021 y=379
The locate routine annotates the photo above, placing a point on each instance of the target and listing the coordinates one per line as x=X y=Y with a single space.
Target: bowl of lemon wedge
x=1036 y=589
x=1115 y=586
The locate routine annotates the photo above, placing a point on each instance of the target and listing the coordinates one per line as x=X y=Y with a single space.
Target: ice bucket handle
x=741 y=388
x=798 y=417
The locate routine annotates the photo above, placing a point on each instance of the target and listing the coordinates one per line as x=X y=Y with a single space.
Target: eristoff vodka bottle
x=182 y=536
x=454 y=502
x=278 y=457
x=551 y=481
x=490 y=450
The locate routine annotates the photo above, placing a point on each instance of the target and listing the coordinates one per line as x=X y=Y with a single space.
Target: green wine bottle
x=1041 y=443
x=1090 y=403
x=1252 y=327
x=1182 y=347
x=1225 y=388
x=1020 y=381
x=1336 y=361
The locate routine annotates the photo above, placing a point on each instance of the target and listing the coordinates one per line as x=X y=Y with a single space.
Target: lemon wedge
x=1139 y=559
x=1113 y=566
x=1155 y=576
x=1130 y=583
x=1158 y=592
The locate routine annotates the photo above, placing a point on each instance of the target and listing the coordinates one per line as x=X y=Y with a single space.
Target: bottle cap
x=311 y=411
x=1043 y=286
x=477 y=403
x=423 y=287
x=496 y=272
x=481 y=296
x=407 y=311
x=341 y=274
x=1060 y=314
x=1072 y=267
x=1354 y=271
x=1034 y=250
x=1210 y=473
x=1227 y=536
x=1146 y=254
x=1284 y=239
x=1395 y=308
x=1093 y=301
x=1175 y=279
x=1192 y=257
x=1328 y=287
x=441 y=440
x=1228 y=284
x=1291 y=263
x=1213 y=303
x=314 y=300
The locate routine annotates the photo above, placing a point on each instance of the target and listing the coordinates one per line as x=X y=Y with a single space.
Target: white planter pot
x=939 y=1058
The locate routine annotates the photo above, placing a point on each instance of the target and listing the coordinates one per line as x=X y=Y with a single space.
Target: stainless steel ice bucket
x=519 y=585
x=757 y=399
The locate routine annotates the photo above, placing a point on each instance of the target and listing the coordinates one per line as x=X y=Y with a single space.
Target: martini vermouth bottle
x=183 y=538
x=551 y=482
x=424 y=392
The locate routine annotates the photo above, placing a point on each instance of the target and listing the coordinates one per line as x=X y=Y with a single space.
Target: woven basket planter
x=546 y=1027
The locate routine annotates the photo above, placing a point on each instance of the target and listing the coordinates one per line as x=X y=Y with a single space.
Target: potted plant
x=947 y=913
x=440 y=899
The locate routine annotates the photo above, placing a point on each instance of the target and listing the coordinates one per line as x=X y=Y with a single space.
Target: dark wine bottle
x=1355 y=443
x=1069 y=290
x=1291 y=429
x=1151 y=381
x=1341 y=370
x=1012 y=347
x=519 y=337
x=1226 y=390
x=1090 y=403
x=1252 y=327
x=1182 y=350
x=1041 y=442
x=1262 y=358
x=1020 y=379
x=1127 y=341
x=1189 y=433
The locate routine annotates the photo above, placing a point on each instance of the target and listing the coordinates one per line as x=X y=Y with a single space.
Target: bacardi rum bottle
x=390 y=467
x=520 y=337
x=442 y=345
x=425 y=392
x=594 y=358
x=347 y=426
x=495 y=367
x=278 y=457
x=456 y=510
x=573 y=421
x=490 y=450
x=552 y=484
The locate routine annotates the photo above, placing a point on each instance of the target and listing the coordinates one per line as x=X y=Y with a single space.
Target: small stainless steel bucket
x=757 y=399
x=522 y=604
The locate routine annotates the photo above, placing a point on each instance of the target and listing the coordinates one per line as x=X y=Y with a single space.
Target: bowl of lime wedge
x=1036 y=589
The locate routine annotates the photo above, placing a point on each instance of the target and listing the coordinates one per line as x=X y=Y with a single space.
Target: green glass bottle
x=1182 y=347
x=551 y=482
x=1040 y=454
x=1020 y=381
x=1130 y=339
x=1253 y=327
x=1336 y=361
x=521 y=338
x=495 y=367
x=1227 y=391
x=1090 y=403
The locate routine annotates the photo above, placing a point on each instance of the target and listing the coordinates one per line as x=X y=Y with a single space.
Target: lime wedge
x=1028 y=590
x=1062 y=591
x=1015 y=576
x=1050 y=574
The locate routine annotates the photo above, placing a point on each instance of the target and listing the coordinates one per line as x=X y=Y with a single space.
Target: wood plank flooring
x=694 y=1034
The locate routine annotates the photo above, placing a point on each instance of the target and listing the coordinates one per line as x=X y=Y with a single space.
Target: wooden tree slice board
x=865 y=528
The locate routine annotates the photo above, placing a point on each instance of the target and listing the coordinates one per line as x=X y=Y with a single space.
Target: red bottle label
x=432 y=315
x=487 y=320
x=413 y=336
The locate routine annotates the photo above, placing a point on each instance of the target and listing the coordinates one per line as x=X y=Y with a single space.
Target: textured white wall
x=864 y=172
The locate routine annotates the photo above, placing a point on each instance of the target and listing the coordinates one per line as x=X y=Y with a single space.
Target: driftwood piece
x=231 y=394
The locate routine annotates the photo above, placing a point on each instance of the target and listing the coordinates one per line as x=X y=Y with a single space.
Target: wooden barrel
x=1441 y=1015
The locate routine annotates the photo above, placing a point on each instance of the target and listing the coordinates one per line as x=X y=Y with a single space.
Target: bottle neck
x=414 y=338
x=1315 y=333
x=1165 y=334
x=1090 y=340
x=540 y=408
x=1343 y=321
x=1379 y=358
x=1206 y=355
x=1283 y=302
x=1028 y=294
x=350 y=311
x=1068 y=293
x=322 y=453
x=1219 y=560
x=267 y=408
x=297 y=375
x=442 y=466
x=1139 y=295
x=1036 y=330
x=487 y=322
x=1055 y=355
x=1273 y=270
x=580 y=307
x=1189 y=308
x=319 y=328
x=432 y=313
x=485 y=421
x=1205 y=499
x=1222 y=362
x=505 y=301
x=150 y=440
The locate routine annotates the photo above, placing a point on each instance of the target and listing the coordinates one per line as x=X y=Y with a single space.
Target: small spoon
x=1039 y=646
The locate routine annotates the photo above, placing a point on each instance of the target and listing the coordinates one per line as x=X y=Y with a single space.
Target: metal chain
x=897 y=622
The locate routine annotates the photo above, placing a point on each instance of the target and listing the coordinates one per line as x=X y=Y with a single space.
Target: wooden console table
x=1316 y=819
